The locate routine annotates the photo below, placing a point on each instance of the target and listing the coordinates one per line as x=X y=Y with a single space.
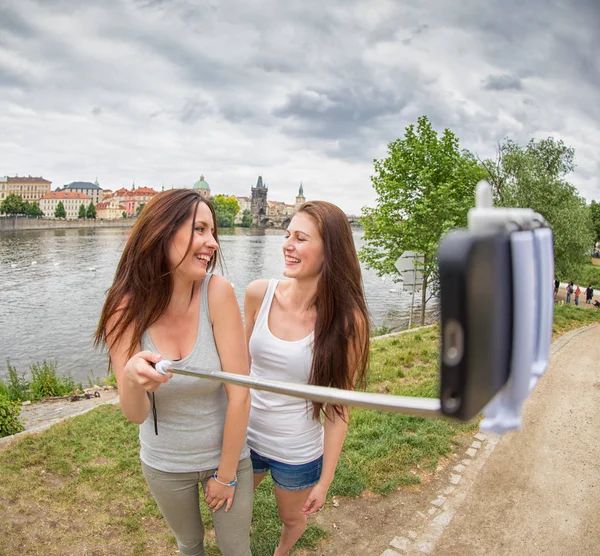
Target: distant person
x=569 y=292
x=589 y=294
x=165 y=301
x=556 y=286
x=313 y=329
x=577 y=294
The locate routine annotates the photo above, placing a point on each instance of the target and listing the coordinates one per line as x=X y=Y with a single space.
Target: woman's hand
x=315 y=499
x=140 y=371
x=218 y=494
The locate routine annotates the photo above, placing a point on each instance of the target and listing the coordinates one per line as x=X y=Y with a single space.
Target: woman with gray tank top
x=314 y=329
x=164 y=302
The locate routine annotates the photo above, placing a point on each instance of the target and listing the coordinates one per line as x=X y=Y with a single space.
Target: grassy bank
x=77 y=488
x=589 y=273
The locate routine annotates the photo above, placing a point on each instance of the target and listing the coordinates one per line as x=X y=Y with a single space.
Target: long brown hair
x=143 y=283
x=342 y=324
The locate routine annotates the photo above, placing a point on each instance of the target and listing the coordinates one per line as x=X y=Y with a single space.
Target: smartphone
x=476 y=295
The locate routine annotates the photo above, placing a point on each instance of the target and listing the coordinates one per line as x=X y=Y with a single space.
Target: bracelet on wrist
x=231 y=484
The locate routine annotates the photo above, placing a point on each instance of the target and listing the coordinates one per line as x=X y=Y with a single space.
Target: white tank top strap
x=262 y=318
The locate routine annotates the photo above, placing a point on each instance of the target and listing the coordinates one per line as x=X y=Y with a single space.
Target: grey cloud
x=13 y=23
x=96 y=110
x=502 y=83
x=194 y=110
x=339 y=111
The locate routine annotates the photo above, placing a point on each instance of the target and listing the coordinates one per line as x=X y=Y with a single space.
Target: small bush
x=110 y=380
x=381 y=331
x=45 y=383
x=3 y=391
x=18 y=386
x=9 y=418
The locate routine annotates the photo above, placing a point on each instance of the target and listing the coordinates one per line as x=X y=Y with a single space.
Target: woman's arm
x=228 y=331
x=336 y=427
x=335 y=434
x=135 y=376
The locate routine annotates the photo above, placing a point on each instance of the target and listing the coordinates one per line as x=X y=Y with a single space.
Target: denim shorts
x=287 y=476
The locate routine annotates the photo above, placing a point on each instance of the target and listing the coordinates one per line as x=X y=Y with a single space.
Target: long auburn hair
x=342 y=324
x=143 y=283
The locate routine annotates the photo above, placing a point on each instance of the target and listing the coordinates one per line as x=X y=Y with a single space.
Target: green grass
x=589 y=273
x=570 y=317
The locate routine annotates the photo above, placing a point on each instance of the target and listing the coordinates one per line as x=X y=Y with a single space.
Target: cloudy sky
x=160 y=91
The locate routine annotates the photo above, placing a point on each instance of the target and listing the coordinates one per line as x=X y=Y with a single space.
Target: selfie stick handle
x=423 y=407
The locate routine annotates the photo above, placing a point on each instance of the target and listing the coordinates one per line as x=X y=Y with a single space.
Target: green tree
x=60 y=211
x=595 y=216
x=139 y=208
x=35 y=210
x=82 y=211
x=226 y=209
x=246 y=219
x=91 y=211
x=424 y=188
x=13 y=204
x=534 y=176
x=124 y=214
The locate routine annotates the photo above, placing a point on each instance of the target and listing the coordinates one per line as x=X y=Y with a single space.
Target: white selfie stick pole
x=424 y=407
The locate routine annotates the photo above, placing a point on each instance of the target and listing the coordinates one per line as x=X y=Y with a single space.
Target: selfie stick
x=533 y=307
x=423 y=407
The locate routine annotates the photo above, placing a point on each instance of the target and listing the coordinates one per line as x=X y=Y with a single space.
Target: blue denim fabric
x=287 y=476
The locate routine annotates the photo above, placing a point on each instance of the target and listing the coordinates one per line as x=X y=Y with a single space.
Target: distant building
x=203 y=187
x=131 y=199
x=259 y=202
x=90 y=189
x=245 y=204
x=278 y=210
x=136 y=197
x=30 y=188
x=300 y=200
x=71 y=200
x=110 y=210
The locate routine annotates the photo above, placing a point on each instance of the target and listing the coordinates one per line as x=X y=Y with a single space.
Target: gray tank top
x=190 y=412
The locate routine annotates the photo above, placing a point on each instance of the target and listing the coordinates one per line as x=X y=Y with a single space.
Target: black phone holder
x=497 y=308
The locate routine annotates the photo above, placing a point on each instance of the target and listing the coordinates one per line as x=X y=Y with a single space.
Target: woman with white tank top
x=313 y=329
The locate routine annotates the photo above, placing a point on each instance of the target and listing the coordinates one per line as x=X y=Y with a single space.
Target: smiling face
x=303 y=248
x=194 y=264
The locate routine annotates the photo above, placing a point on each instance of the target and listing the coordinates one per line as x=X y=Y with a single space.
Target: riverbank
x=22 y=223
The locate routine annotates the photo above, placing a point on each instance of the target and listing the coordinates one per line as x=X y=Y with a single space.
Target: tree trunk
x=424 y=296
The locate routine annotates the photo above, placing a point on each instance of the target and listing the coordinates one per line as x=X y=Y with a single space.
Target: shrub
x=110 y=380
x=18 y=386
x=45 y=383
x=3 y=391
x=9 y=418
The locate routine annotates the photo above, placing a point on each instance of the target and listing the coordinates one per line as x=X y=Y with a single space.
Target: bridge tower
x=259 y=202
x=300 y=199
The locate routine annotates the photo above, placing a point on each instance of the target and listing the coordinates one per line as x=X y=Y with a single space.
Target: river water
x=53 y=284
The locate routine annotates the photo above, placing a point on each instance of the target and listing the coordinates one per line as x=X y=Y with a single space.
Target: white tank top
x=281 y=427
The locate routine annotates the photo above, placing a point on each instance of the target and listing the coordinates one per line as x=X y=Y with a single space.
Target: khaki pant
x=177 y=496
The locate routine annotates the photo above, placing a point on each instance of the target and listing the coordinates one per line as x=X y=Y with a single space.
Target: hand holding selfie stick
x=496 y=324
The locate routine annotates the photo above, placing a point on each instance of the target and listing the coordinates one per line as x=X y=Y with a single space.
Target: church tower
x=258 y=205
x=300 y=200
